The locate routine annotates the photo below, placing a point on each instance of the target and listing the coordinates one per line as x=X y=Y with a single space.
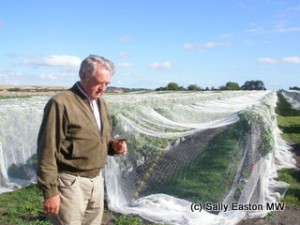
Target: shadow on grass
x=284 y=108
x=294 y=190
x=290 y=130
x=296 y=149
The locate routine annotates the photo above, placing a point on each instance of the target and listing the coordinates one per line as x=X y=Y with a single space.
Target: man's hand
x=120 y=146
x=52 y=205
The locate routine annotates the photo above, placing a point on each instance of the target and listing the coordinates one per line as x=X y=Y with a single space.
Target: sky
x=152 y=43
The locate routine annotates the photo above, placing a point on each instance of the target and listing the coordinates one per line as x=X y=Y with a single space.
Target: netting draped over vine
x=188 y=151
x=213 y=149
x=293 y=98
x=20 y=119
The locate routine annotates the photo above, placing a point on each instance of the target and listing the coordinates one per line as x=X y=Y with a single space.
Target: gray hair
x=89 y=64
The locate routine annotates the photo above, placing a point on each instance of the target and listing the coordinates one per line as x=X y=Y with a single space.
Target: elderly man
x=73 y=143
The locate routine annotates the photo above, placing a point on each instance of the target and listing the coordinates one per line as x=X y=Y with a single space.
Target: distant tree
x=181 y=88
x=172 y=86
x=223 y=88
x=294 y=88
x=232 y=86
x=253 y=85
x=160 y=89
x=194 y=87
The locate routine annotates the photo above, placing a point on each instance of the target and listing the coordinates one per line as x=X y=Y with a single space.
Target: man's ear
x=82 y=77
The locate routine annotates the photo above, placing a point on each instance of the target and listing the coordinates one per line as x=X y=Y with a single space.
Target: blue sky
x=152 y=43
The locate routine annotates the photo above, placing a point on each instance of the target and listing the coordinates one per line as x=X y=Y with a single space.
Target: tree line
x=294 y=88
x=248 y=85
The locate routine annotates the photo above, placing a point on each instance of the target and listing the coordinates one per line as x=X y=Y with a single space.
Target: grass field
x=288 y=120
x=24 y=207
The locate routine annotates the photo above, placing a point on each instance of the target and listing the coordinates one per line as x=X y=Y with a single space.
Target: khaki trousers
x=82 y=200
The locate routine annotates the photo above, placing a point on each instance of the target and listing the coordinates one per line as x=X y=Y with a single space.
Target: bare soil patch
x=28 y=90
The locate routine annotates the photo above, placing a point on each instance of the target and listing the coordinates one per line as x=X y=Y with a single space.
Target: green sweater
x=69 y=139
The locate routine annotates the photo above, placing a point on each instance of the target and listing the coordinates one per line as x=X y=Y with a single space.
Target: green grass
x=288 y=121
x=208 y=177
x=284 y=107
x=292 y=197
x=128 y=220
x=290 y=126
x=23 y=206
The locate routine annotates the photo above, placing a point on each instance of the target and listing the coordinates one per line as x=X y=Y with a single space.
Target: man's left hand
x=120 y=146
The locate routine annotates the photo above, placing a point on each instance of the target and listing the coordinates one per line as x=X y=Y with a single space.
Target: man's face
x=96 y=85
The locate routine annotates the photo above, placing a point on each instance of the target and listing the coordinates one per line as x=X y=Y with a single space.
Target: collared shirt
x=94 y=106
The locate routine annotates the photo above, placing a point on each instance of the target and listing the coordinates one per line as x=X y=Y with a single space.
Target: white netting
x=20 y=119
x=293 y=98
x=185 y=149
x=215 y=149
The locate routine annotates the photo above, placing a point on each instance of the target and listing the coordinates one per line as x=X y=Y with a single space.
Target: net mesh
x=20 y=119
x=187 y=152
x=293 y=97
x=213 y=149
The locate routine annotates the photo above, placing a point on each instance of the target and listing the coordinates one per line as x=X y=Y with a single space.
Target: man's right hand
x=52 y=204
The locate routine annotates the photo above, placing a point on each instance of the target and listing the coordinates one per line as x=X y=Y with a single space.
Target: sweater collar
x=81 y=90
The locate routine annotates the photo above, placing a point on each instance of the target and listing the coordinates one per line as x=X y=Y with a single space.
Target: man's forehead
x=103 y=76
x=102 y=70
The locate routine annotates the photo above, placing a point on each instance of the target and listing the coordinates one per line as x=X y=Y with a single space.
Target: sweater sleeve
x=50 y=137
x=108 y=118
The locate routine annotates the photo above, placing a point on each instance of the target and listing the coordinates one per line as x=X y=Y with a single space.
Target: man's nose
x=102 y=87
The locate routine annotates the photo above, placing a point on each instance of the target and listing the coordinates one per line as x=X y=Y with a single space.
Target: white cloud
x=49 y=76
x=287 y=20
x=287 y=29
x=61 y=76
x=267 y=61
x=125 y=38
x=291 y=59
x=55 y=61
x=255 y=30
x=226 y=36
x=188 y=46
x=206 y=46
x=9 y=75
x=125 y=64
x=166 y=65
x=1 y=24
x=123 y=55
